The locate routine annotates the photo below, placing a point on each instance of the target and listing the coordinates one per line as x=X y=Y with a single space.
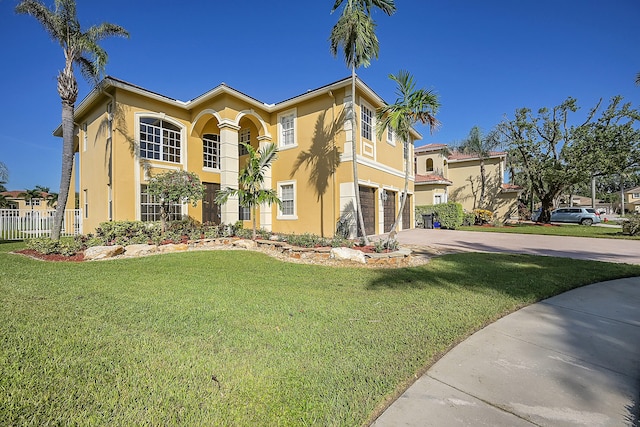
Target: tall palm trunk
x=483 y=182
x=394 y=227
x=354 y=137
x=67 y=168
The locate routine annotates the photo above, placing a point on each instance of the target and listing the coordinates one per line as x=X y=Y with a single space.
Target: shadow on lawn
x=526 y=277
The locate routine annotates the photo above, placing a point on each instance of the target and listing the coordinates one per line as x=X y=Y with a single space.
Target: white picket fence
x=19 y=224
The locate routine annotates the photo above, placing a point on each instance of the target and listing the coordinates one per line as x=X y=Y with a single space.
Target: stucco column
x=229 y=168
x=266 y=211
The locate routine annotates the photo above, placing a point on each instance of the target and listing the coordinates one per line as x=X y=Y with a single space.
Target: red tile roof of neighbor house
x=431 y=179
x=429 y=147
x=15 y=194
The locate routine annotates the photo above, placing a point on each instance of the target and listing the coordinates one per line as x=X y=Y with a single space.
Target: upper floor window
x=159 y=140
x=244 y=137
x=391 y=136
x=429 y=165
x=286 y=129
x=85 y=137
x=636 y=195
x=32 y=202
x=211 y=151
x=367 y=122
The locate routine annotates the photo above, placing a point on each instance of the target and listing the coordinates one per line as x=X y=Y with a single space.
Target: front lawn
x=238 y=338
x=555 y=230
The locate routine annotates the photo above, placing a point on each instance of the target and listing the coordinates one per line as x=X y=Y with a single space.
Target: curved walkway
x=570 y=360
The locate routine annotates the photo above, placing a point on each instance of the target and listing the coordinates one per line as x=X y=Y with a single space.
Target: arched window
x=429 y=165
x=159 y=140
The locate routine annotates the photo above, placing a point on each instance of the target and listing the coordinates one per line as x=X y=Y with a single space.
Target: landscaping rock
x=140 y=250
x=246 y=244
x=348 y=254
x=102 y=252
x=170 y=248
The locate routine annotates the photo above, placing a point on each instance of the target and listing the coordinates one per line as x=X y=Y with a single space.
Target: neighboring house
x=126 y=134
x=632 y=199
x=33 y=207
x=443 y=176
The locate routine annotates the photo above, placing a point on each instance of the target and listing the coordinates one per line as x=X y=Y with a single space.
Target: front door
x=210 y=209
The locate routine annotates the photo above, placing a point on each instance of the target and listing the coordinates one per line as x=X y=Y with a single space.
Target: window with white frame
x=211 y=151
x=635 y=195
x=244 y=213
x=391 y=136
x=85 y=137
x=150 y=208
x=244 y=137
x=367 y=122
x=286 y=129
x=86 y=203
x=32 y=202
x=287 y=195
x=159 y=140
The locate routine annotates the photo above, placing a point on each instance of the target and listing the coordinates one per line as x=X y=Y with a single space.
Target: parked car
x=584 y=216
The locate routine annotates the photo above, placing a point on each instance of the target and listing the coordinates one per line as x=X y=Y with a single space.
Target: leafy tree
x=542 y=145
x=250 y=189
x=174 y=187
x=411 y=106
x=4 y=176
x=80 y=48
x=481 y=146
x=52 y=200
x=4 y=202
x=355 y=33
x=610 y=146
x=30 y=195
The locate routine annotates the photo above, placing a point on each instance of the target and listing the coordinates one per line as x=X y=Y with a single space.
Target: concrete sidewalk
x=571 y=360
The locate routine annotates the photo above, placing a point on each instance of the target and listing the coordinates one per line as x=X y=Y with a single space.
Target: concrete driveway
x=608 y=250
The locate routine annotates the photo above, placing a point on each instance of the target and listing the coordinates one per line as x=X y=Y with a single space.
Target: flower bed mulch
x=51 y=257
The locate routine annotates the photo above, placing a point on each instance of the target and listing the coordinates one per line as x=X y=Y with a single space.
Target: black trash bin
x=427 y=220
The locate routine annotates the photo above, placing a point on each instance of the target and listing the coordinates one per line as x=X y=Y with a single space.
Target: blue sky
x=483 y=58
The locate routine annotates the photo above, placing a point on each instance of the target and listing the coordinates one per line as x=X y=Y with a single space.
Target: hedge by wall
x=450 y=215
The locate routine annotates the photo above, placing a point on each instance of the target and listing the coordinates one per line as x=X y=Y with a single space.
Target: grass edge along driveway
x=238 y=338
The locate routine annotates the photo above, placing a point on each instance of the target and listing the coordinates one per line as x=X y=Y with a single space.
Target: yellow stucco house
x=126 y=133
x=443 y=176
x=36 y=206
x=632 y=199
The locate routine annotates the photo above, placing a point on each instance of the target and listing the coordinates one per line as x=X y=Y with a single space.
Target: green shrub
x=66 y=246
x=468 y=218
x=383 y=245
x=631 y=226
x=450 y=215
x=306 y=240
x=128 y=232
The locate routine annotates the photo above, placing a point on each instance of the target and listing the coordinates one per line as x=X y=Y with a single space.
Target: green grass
x=137 y=341
x=556 y=230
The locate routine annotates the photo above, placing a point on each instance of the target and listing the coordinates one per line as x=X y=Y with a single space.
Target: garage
x=389 y=203
x=368 y=203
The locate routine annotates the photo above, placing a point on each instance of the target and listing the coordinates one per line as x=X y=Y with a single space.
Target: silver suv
x=584 y=216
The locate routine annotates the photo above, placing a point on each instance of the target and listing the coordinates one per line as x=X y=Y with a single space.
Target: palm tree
x=412 y=106
x=52 y=200
x=638 y=79
x=355 y=33
x=80 y=48
x=30 y=195
x=481 y=146
x=250 y=182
